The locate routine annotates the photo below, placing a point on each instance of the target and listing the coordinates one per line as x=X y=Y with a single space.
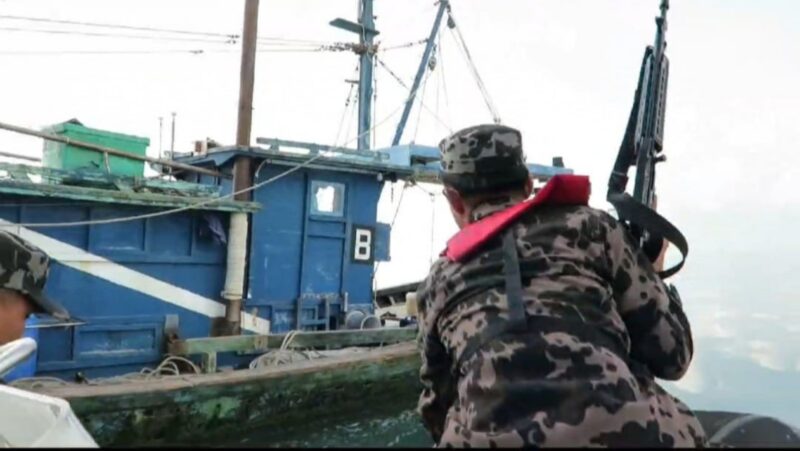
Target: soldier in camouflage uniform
x=552 y=332
x=23 y=274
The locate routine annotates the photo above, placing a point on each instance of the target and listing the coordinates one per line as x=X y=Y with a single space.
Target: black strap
x=517 y=319
x=638 y=214
x=516 y=309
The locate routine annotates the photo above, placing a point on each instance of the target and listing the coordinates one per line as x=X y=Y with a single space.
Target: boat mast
x=443 y=5
x=365 y=28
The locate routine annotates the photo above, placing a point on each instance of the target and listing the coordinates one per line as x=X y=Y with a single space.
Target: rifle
x=642 y=146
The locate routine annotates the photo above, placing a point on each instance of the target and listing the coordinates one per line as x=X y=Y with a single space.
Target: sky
x=563 y=72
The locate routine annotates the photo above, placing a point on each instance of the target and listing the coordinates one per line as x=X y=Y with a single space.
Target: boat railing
x=278 y=145
x=38 y=175
x=209 y=347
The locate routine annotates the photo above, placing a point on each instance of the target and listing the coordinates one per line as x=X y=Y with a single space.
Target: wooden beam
x=104 y=195
x=197 y=408
x=302 y=340
x=109 y=150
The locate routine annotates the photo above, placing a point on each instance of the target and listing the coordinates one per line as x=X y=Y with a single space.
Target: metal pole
x=161 y=137
x=238 y=231
x=172 y=140
x=242 y=174
x=365 y=78
x=109 y=150
x=443 y=4
x=20 y=157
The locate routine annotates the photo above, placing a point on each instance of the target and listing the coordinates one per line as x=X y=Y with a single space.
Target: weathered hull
x=199 y=408
x=216 y=407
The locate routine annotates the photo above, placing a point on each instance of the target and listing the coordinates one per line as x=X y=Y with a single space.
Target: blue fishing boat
x=234 y=290
x=231 y=252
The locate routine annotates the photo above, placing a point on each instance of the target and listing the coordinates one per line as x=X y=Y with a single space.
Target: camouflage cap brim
x=43 y=304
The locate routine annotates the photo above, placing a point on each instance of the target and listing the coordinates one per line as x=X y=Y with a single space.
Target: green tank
x=62 y=156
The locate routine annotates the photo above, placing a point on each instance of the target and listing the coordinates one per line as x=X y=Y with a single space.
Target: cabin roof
x=409 y=161
x=35 y=181
x=330 y=159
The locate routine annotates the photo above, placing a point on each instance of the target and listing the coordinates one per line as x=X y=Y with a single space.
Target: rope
x=391 y=225
x=336 y=47
x=167 y=368
x=444 y=81
x=462 y=45
x=228 y=36
x=403 y=84
x=374 y=104
x=419 y=112
x=433 y=227
x=124 y=27
x=347 y=103
x=432 y=195
x=113 y=35
x=207 y=201
x=356 y=99
x=404 y=46
x=288 y=340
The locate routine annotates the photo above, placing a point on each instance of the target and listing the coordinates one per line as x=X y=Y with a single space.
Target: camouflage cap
x=482 y=158
x=24 y=268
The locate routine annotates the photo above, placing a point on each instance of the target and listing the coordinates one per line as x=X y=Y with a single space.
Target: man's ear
x=456 y=201
x=528 y=187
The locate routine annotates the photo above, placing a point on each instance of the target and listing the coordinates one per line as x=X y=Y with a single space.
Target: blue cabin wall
x=124 y=328
x=125 y=280
x=299 y=255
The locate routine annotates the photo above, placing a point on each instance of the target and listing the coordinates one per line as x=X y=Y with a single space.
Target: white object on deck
x=14 y=353
x=31 y=420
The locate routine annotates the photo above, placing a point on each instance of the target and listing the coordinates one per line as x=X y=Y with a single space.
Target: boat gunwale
x=174 y=383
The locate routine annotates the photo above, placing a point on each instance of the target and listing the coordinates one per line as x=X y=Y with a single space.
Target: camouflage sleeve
x=659 y=330
x=438 y=393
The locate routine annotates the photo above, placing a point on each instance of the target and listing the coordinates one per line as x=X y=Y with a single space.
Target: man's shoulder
x=568 y=216
x=439 y=272
x=584 y=211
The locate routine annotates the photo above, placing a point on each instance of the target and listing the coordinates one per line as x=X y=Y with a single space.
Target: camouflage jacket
x=601 y=325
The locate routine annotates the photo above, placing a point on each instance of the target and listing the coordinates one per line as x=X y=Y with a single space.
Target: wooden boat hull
x=201 y=408
x=197 y=408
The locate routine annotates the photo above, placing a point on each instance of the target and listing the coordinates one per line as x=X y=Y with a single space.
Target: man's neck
x=490 y=206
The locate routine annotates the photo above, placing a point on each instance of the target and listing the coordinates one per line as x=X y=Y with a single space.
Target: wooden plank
x=344 y=338
x=109 y=150
x=135 y=393
x=323 y=339
x=118 y=197
x=61 y=176
x=209 y=362
x=237 y=343
x=275 y=145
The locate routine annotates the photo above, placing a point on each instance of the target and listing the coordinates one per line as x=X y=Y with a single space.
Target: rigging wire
x=462 y=45
x=444 y=82
x=374 y=104
x=347 y=104
x=228 y=36
x=404 y=46
x=391 y=225
x=419 y=110
x=354 y=118
x=113 y=35
x=404 y=85
x=195 y=205
x=102 y=52
x=198 y=51
x=117 y=26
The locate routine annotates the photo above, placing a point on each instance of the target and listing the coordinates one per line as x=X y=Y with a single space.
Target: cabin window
x=327 y=198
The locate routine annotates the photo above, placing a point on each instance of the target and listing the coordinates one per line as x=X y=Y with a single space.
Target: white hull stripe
x=102 y=268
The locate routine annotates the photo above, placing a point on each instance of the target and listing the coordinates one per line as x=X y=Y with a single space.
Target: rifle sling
x=633 y=211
